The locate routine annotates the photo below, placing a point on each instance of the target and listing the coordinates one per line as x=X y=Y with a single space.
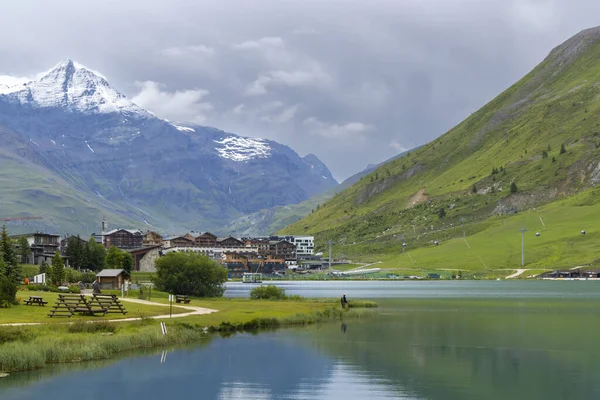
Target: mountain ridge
x=135 y=166
x=540 y=134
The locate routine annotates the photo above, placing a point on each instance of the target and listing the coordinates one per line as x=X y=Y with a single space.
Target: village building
x=123 y=239
x=152 y=238
x=206 y=239
x=239 y=263
x=282 y=249
x=229 y=242
x=112 y=279
x=42 y=245
x=178 y=241
x=145 y=257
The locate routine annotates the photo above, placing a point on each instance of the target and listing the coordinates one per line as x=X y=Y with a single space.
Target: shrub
x=269 y=292
x=88 y=277
x=74 y=289
x=13 y=334
x=190 y=274
x=8 y=292
x=83 y=327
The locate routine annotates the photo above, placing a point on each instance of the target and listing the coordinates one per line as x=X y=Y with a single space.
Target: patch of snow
x=323 y=176
x=89 y=147
x=146 y=222
x=33 y=142
x=98 y=193
x=183 y=128
x=53 y=142
x=238 y=148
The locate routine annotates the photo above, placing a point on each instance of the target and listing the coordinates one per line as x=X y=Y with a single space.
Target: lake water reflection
x=499 y=347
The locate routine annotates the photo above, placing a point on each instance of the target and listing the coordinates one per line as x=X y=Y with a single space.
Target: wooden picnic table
x=182 y=299
x=69 y=304
x=35 y=300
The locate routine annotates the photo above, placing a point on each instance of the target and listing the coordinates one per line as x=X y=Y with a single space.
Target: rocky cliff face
x=73 y=123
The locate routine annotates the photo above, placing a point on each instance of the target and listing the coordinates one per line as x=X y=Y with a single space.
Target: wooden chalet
x=152 y=238
x=123 y=239
x=206 y=239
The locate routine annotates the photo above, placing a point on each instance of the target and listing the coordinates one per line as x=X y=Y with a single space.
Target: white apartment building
x=305 y=245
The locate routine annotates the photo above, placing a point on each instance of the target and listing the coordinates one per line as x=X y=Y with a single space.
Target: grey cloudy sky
x=354 y=82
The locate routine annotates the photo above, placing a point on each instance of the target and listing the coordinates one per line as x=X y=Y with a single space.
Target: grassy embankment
x=468 y=172
x=23 y=348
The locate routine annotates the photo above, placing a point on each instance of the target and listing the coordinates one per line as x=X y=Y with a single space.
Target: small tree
x=12 y=269
x=474 y=189
x=513 y=187
x=46 y=269
x=441 y=212
x=563 y=150
x=24 y=249
x=76 y=251
x=190 y=274
x=95 y=255
x=544 y=154
x=58 y=269
x=8 y=292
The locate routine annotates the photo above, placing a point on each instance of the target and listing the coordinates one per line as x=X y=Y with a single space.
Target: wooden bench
x=182 y=299
x=35 y=300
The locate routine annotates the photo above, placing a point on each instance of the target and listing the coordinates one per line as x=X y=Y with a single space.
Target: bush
x=88 y=277
x=37 y=288
x=8 y=292
x=190 y=274
x=72 y=275
x=74 y=289
x=83 y=327
x=12 y=334
x=269 y=292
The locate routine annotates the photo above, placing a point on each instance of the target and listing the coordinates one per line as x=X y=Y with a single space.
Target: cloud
x=180 y=105
x=283 y=116
x=7 y=80
x=314 y=76
x=179 y=51
x=265 y=42
x=394 y=74
x=351 y=130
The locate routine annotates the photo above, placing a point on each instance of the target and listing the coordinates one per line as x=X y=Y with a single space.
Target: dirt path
x=193 y=311
x=516 y=274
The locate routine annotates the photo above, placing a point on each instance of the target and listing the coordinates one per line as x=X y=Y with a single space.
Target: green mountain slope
x=269 y=221
x=468 y=171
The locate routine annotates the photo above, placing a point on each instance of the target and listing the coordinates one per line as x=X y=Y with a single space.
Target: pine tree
x=58 y=269
x=24 y=249
x=563 y=150
x=76 y=252
x=474 y=189
x=95 y=255
x=44 y=268
x=12 y=269
x=513 y=187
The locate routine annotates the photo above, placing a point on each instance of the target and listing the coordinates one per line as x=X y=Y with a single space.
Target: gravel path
x=193 y=311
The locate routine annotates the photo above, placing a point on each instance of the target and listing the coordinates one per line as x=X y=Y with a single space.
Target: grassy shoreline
x=27 y=348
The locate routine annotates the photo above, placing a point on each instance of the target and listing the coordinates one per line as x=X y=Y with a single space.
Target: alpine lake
x=427 y=340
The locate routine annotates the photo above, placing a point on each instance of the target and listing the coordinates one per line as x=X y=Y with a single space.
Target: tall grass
x=78 y=342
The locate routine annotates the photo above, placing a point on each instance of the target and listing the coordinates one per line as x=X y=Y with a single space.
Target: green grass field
x=23 y=313
x=467 y=172
x=496 y=245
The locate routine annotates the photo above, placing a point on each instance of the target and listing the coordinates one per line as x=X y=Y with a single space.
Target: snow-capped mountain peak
x=72 y=87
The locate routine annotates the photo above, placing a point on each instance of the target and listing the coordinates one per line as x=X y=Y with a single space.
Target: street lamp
x=522 y=230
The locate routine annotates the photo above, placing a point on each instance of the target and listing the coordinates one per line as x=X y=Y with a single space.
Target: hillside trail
x=193 y=311
x=516 y=274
